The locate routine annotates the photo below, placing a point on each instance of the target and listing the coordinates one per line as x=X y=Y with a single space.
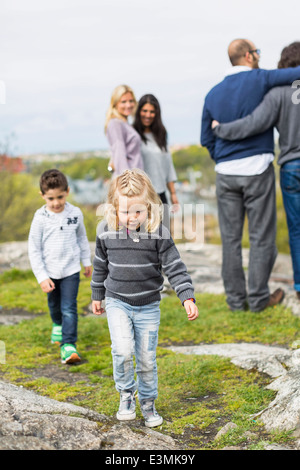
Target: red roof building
x=11 y=164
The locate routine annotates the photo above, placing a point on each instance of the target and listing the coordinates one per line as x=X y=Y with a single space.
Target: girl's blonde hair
x=133 y=183
x=117 y=94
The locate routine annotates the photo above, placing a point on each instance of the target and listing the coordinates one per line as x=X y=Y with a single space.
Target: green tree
x=77 y=168
x=196 y=158
x=19 y=200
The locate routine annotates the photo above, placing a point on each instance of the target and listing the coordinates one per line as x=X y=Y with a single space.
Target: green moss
x=197 y=394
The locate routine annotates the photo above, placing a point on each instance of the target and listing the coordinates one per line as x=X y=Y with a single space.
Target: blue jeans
x=134 y=331
x=290 y=187
x=62 y=303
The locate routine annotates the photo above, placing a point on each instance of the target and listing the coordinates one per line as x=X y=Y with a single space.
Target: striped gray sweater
x=132 y=272
x=57 y=243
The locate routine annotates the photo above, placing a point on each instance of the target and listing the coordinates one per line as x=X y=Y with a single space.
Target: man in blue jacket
x=245 y=179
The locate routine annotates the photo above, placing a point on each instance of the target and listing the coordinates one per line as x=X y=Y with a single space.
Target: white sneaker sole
x=126 y=417
x=153 y=423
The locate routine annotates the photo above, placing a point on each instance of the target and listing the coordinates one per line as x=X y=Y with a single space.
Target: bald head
x=238 y=49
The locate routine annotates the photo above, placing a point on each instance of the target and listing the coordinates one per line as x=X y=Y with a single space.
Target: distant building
x=11 y=164
x=88 y=192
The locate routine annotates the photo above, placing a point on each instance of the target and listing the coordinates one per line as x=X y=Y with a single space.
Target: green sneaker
x=69 y=354
x=56 y=334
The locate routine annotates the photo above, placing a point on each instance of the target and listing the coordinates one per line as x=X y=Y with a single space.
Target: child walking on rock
x=132 y=249
x=57 y=243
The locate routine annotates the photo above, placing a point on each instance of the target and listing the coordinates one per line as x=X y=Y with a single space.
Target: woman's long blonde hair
x=133 y=183
x=117 y=94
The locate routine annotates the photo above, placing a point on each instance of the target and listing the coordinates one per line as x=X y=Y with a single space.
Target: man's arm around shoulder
x=279 y=77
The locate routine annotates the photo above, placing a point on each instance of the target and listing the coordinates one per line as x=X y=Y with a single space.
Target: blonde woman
x=124 y=141
x=132 y=248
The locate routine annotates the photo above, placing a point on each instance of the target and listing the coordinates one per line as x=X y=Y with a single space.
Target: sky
x=61 y=59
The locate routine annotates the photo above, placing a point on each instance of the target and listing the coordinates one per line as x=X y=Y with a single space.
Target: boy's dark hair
x=290 y=56
x=52 y=179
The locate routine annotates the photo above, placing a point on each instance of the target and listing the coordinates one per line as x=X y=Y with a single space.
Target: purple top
x=125 y=146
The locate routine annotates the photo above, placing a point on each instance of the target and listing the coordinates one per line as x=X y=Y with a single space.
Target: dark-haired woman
x=157 y=160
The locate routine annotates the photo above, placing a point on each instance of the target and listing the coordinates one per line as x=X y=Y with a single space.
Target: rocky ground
x=29 y=421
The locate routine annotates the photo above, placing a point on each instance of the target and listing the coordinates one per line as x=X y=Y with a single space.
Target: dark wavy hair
x=157 y=127
x=53 y=179
x=290 y=56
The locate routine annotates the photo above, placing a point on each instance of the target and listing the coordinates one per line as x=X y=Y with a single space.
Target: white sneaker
x=152 y=418
x=126 y=410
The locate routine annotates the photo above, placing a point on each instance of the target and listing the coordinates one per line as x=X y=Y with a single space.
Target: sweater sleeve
x=174 y=267
x=116 y=139
x=100 y=271
x=279 y=77
x=85 y=252
x=35 y=250
x=263 y=117
x=171 y=172
x=207 y=137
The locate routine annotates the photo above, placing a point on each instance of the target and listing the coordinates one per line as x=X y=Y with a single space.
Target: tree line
x=21 y=198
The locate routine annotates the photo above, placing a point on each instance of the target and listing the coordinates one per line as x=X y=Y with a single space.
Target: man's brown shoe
x=275 y=298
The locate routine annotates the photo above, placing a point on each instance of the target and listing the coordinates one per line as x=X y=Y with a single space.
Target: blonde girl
x=124 y=141
x=133 y=247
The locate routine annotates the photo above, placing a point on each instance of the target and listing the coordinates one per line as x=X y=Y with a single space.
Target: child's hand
x=191 y=310
x=47 y=285
x=214 y=124
x=87 y=271
x=96 y=307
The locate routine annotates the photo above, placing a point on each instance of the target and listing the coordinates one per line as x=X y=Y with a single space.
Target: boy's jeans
x=290 y=187
x=134 y=331
x=62 y=303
